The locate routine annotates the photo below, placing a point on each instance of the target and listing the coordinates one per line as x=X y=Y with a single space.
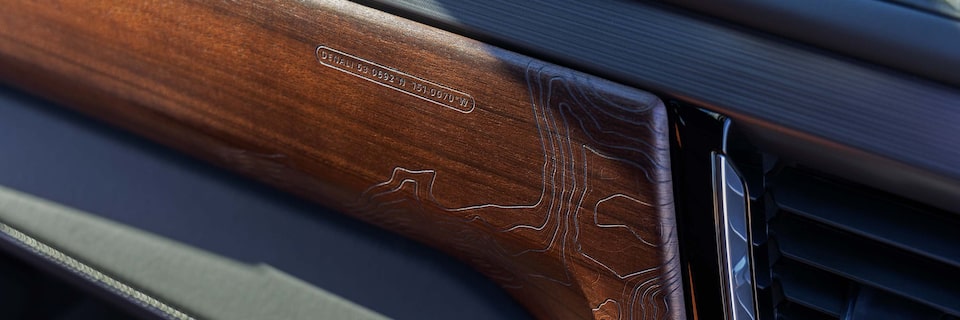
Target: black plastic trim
x=697 y=135
x=812 y=288
x=871 y=216
x=868 y=263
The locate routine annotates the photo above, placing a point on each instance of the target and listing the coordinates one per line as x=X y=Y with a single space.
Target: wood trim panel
x=554 y=183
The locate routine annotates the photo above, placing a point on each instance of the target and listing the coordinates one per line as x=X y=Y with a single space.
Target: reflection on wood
x=553 y=183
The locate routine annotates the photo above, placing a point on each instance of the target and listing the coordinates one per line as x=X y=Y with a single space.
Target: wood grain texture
x=553 y=183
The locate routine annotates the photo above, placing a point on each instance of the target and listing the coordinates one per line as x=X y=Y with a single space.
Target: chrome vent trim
x=733 y=241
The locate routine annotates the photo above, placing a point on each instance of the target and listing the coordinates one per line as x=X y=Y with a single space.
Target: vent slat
x=872 y=304
x=815 y=289
x=852 y=257
x=870 y=216
x=799 y=312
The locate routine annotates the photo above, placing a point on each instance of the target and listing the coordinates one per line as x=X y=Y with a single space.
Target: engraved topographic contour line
x=580 y=153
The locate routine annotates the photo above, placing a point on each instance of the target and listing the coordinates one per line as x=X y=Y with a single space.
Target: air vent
x=830 y=249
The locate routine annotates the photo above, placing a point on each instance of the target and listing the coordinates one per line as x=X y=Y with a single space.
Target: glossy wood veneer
x=554 y=183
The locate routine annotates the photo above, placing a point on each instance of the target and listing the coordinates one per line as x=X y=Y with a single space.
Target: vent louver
x=834 y=250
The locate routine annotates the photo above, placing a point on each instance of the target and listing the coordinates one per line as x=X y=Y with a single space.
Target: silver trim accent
x=734 y=241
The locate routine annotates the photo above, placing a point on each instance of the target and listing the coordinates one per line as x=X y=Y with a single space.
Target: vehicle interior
x=443 y=159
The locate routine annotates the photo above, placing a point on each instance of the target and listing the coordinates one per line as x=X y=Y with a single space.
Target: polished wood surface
x=553 y=183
